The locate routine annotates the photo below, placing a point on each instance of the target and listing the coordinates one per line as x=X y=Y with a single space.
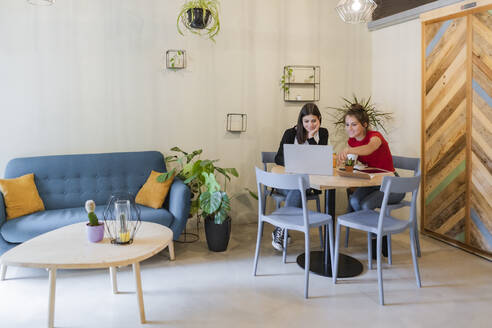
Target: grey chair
x=381 y=224
x=410 y=164
x=268 y=157
x=291 y=218
x=403 y=163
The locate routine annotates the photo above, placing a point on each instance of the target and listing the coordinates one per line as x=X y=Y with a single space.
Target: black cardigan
x=289 y=138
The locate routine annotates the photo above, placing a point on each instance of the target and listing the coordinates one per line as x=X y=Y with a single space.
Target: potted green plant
x=200 y=176
x=215 y=205
x=200 y=17
x=377 y=119
x=349 y=164
x=95 y=230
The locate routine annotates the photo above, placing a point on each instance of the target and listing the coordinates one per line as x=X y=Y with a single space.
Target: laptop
x=308 y=159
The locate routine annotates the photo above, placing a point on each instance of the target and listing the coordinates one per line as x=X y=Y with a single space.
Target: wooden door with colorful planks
x=480 y=225
x=457 y=129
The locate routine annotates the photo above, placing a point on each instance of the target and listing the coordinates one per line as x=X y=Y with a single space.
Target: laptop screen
x=308 y=159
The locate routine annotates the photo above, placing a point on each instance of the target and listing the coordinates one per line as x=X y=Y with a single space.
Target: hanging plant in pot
x=200 y=17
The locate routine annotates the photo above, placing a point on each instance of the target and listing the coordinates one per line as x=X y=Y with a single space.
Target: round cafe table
x=320 y=260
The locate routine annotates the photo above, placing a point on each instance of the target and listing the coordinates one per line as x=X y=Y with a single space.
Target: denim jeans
x=292 y=197
x=369 y=198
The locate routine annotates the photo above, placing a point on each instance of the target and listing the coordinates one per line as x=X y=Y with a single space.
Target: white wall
x=396 y=86
x=396 y=83
x=85 y=76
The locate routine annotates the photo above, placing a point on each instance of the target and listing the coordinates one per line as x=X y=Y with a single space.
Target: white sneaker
x=278 y=239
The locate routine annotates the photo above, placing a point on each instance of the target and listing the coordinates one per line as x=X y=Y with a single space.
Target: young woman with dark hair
x=306 y=132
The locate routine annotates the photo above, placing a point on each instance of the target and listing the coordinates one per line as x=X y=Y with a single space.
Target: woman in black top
x=306 y=132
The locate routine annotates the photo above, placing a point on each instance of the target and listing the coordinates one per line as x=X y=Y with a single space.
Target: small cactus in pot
x=349 y=164
x=95 y=230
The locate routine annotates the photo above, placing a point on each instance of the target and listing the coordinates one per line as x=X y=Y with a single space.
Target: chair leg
x=334 y=264
x=390 y=258
x=414 y=257
x=307 y=263
x=380 y=269
x=258 y=242
x=347 y=232
x=417 y=239
x=284 y=251
x=318 y=208
x=369 y=250
x=330 y=235
x=318 y=205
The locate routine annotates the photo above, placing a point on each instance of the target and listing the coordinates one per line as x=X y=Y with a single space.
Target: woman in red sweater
x=372 y=150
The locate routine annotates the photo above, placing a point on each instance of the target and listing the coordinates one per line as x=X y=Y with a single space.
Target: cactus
x=349 y=162
x=93 y=221
x=90 y=207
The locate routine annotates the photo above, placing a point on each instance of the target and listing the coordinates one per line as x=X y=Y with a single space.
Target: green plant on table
x=90 y=207
x=211 y=29
x=377 y=119
x=349 y=162
x=200 y=176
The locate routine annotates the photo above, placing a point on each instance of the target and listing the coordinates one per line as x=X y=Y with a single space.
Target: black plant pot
x=197 y=20
x=218 y=235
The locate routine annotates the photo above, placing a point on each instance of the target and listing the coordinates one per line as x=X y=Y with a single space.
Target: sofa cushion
x=32 y=225
x=153 y=193
x=21 y=196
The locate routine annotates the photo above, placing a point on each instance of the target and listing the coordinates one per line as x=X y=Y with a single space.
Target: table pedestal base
x=347 y=265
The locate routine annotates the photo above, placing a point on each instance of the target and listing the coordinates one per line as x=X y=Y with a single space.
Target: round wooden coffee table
x=68 y=248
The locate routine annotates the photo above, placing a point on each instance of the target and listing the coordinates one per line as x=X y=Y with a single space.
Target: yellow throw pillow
x=21 y=196
x=153 y=193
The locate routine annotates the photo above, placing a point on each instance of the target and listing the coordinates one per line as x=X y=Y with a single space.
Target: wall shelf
x=302 y=83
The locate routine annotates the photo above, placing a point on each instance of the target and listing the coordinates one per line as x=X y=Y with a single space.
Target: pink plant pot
x=95 y=233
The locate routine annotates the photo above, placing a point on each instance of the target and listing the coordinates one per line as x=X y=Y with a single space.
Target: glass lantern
x=122 y=219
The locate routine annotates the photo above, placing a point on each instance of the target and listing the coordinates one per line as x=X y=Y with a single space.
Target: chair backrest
x=399 y=185
x=281 y=181
x=407 y=163
x=267 y=157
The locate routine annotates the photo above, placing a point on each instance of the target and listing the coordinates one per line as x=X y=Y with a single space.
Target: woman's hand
x=342 y=155
x=313 y=132
x=374 y=143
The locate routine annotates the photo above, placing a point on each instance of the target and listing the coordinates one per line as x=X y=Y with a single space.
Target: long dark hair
x=358 y=111
x=307 y=109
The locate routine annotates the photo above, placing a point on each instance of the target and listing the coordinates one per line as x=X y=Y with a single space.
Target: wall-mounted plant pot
x=197 y=19
x=218 y=235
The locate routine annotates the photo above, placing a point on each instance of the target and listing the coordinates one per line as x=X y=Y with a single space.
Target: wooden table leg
x=171 y=250
x=4 y=272
x=138 y=284
x=51 y=307
x=112 y=274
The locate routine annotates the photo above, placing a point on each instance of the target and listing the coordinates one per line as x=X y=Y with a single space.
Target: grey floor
x=205 y=289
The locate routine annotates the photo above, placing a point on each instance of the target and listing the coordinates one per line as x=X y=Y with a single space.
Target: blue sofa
x=65 y=182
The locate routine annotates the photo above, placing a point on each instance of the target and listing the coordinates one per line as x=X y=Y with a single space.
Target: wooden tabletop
x=68 y=248
x=322 y=182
